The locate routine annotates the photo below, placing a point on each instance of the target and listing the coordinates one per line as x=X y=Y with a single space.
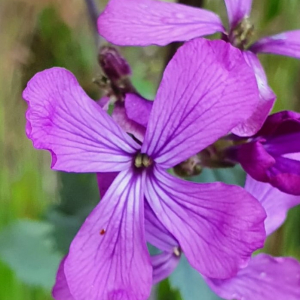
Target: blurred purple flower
x=148 y=22
x=268 y=156
x=199 y=100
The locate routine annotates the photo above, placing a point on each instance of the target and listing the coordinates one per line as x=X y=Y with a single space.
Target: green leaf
x=27 y=248
x=272 y=9
x=78 y=196
x=165 y=292
x=190 y=283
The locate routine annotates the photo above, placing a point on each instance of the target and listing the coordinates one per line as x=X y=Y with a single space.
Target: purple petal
x=275 y=120
x=148 y=22
x=266 y=99
x=285 y=138
x=237 y=10
x=104 y=103
x=81 y=137
x=215 y=90
x=265 y=278
x=255 y=160
x=61 y=289
x=108 y=258
x=275 y=202
x=217 y=226
x=285 y=175
x=285 y=43
x=138 y=109
x=281 y=172
x=156 y=232
x=104 y=181
x=163 y=265
x=120 y=116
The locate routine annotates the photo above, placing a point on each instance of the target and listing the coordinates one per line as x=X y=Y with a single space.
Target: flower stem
x=94 y=14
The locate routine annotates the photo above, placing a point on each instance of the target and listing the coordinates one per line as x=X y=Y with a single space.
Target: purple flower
x=216 y=225
x=148 y=22
x=268 y=156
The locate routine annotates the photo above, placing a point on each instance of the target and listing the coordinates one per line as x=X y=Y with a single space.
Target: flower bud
x=113 y=64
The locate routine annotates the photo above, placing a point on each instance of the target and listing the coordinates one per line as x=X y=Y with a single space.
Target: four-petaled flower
x=217 y=226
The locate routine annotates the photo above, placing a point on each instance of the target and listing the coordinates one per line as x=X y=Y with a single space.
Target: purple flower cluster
x=210 y=90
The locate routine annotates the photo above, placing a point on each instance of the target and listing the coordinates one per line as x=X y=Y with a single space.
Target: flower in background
x=266 y=277
x=148 y=22
x=199 y=100
x=269 y=156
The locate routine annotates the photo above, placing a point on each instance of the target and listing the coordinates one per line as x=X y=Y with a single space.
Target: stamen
x=142 y=160
x=177 y=251
x=242 y=33
x=138 y=160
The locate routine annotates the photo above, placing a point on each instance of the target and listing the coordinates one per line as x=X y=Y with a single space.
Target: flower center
x=142 y=160
x=242 y=33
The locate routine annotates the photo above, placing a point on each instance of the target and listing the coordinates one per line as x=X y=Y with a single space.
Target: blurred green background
x=41 y=210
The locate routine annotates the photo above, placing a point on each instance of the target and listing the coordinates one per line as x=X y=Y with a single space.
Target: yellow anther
x=146 y=161
x=138 y=160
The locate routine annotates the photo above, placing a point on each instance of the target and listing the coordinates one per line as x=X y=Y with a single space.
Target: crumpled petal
x=285 y=43
x=266 y=99
x=108 y=259
x=265 y=278
x=61 y=289
x=148 y=22
x=156 y=232
x=280 y=171
x=274 y=121
x=254 y=159
x=81 y=137
x=237 y=10
x=104 y=181
x=138 y=109
x=286 y=138
x=217 y=226
x=214 y=91
x=163 y=265
x=119 y=114
x=285 y=175
x=275 y=202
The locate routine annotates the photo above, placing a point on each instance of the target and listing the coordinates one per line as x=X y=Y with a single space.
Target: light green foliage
x=28 y=248
x=190 y=283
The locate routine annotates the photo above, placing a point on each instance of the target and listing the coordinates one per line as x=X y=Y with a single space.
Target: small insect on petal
x=102 y=232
